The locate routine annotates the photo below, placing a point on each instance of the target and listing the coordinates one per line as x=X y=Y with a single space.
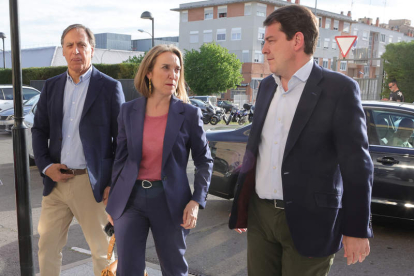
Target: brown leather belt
x=74 y=171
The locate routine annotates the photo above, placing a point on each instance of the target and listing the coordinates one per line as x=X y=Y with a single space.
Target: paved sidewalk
x=85 y=268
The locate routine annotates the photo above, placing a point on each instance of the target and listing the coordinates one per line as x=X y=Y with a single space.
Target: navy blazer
x=184 y=132
x=98 y=128
x=327 y=171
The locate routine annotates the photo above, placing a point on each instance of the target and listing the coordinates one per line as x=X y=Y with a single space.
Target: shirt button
x=68 y=136
x=274 y=167
x=278 y=119
x=275 y=191
x=275 y=143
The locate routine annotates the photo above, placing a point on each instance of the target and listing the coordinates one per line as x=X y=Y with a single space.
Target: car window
x=8 y=93
x=1 y=94
x=29 y=93
x=394 y=129
x=33 y=100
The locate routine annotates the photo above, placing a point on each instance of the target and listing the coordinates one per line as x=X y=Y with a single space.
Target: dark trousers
x=147 y=209
x=270 y=248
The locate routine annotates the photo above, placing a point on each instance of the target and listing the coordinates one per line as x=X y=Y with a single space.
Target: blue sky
x=42 y=21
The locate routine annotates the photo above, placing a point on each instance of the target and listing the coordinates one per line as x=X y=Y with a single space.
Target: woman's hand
x=110 y=219
x=190 y=215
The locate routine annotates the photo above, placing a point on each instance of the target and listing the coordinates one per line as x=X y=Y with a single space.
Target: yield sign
x=345 y=43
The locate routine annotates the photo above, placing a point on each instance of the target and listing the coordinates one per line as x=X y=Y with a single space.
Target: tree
x=399 y=65
x=212 y=69
x=135 y=59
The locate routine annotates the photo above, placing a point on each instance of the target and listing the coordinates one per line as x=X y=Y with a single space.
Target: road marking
x=81 y=250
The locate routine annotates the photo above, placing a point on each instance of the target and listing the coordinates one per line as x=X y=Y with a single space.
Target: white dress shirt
x=275 y=132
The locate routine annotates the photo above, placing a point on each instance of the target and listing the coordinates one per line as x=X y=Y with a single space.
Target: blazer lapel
x=59 y=98
x=94 y=88
x=174 y=121
x=136 y=120
x=306 y=105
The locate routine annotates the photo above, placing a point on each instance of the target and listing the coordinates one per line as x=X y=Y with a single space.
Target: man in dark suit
x=305 y=186
x=74 y=141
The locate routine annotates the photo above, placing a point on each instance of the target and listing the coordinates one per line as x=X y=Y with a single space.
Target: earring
x=150 y=88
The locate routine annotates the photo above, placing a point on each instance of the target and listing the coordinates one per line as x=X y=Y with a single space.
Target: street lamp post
x=3 y=36
x=148 y=15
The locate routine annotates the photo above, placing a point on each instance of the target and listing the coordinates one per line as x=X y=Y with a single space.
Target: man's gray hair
x=89 y=33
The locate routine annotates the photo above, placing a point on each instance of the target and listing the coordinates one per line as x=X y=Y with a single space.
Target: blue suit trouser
x=147 y=209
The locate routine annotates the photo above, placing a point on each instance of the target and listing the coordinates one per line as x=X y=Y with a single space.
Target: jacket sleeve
x=351 y=143
x=203 y=162
x=41 y=132
x=118 y=99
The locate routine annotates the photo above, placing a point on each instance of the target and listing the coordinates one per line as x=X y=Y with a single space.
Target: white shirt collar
x=302 y=74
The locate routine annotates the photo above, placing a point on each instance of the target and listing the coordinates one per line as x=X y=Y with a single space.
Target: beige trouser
x=68 y=199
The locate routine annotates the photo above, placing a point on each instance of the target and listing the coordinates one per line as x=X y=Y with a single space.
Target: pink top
x=152 y=145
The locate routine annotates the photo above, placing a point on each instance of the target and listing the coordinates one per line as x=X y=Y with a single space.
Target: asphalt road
x=212 y=248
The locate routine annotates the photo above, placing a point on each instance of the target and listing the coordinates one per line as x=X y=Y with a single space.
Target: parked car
x=28 y=120
x=6 y=95
x=227 y=105
x=207 y=99
x=199 y=104
x=7 y=115
x=392 y=155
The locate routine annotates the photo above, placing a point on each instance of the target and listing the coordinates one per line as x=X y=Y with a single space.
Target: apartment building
x=238 y=26
x=371 y=42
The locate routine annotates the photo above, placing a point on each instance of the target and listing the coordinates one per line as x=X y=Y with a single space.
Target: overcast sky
x=42 y=21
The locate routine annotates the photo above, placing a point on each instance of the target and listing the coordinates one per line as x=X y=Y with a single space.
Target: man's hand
x=54 y=173
x=106 y=195
x=190 y=215
x=355 y=249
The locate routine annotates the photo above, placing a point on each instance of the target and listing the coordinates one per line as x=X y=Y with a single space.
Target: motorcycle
x=250 y=108
x=208 y=114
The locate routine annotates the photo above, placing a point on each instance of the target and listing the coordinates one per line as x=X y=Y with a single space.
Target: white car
x=28 y=120
x=6 y=95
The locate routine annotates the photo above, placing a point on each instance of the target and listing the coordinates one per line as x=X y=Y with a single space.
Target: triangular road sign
x=345 y=43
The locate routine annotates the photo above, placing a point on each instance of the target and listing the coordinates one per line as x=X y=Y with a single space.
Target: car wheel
x=31 y=161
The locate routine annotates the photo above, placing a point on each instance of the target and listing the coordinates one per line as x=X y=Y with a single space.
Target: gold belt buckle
x=144 y=186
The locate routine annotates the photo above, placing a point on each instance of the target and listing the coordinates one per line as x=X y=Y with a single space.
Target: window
x=334 y=44
x=261 y=34
x=222 y=11
x=320 y=22
x=29 y=93
x=258 y=57
x=208 y=36
x=261 y=10
x=326 y=43
x=399 y=39
x=390 y=39
x=342 y=65
x=184 y=16
x=245 y=56
x=365 y=35
x=327 y=23
x=325 y=63
x=355 y=31
x=236 y=34
x=221 y=35
x=379 y=54
x=208 y=13
x=316 y=60
x=391 y=129
x=248 y=9
x=366 y=71
x=319 y=43
x=382 y=38
x=336 y=25
x=346 y=27
x=194 y=37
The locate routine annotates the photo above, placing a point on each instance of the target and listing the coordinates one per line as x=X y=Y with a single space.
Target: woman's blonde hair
x=141 y=81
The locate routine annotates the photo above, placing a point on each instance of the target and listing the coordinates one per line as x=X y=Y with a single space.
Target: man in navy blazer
x=74 y=141
x=305 y=185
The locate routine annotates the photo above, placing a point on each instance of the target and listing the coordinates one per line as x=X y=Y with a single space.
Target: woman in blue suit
x=150 y=189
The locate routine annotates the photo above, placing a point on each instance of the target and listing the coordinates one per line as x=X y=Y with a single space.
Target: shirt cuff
x=45 y=169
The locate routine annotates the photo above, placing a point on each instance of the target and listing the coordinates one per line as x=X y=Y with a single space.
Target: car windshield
x=8 y=93
x=198 y=102
x=32 y=101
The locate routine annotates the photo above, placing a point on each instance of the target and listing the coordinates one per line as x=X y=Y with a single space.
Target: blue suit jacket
x=98 y=128
x=327 y=171
x=184 y=132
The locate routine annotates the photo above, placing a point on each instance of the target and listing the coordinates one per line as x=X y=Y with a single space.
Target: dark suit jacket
x=184 y=132
x=98 y=128
x=327 y=171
